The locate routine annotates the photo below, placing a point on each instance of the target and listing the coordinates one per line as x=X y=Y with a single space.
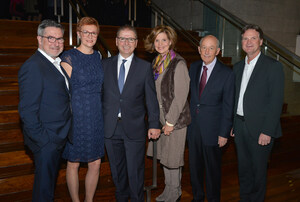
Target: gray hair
x=127 y=27
x=48 y=23
x=218 y=42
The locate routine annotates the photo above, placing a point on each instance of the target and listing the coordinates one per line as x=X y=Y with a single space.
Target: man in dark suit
x=212 y=101
x=128 y=90
x=258 y=105
x=44 y=108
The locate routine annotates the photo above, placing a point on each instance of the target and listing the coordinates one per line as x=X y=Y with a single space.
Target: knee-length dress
x=85 y=89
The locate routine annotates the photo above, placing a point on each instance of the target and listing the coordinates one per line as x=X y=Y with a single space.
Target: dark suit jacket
x=138 y=92
x=213 y=112
x=263 y=97
x=44 y=103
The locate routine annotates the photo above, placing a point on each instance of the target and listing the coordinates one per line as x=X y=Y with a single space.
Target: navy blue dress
x=85 y=88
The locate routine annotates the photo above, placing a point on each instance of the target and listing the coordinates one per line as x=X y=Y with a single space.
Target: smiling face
x=162 y=43
x=126 y=47
x=208 y=49
x=251 y=43
x=88 y=35
x=51 y=49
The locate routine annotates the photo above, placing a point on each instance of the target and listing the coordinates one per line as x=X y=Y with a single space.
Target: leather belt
x=242 y=118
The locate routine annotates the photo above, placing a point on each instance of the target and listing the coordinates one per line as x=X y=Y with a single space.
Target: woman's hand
x=167 y=129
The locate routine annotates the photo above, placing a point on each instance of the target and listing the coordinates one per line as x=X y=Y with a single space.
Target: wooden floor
x=283 y=183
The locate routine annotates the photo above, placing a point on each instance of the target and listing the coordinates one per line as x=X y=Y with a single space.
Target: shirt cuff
x=169 y=124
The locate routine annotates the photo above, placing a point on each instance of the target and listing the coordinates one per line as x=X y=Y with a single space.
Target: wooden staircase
x=17 y=43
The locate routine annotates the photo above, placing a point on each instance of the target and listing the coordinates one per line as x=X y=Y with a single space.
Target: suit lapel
x=52 y=67
x=239 y=76
x=131 y=74
x=197 y=78
x=114 y=72
x=256 y=69
x=212 y=78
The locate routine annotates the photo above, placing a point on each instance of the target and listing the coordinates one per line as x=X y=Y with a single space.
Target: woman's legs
x=91 y=179
x=72 y=180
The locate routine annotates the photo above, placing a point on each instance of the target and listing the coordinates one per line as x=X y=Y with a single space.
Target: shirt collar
x=120 y=58
x=210 y=65
x=57 y=59
x=252 y=62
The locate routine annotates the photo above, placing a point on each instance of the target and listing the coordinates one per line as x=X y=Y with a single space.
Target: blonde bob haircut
x=87 y=21
x=149 y=41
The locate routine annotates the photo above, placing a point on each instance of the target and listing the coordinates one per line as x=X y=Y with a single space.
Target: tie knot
x=124 y=61
x=204 y=68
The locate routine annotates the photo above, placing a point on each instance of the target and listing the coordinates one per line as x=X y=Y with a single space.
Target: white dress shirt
x=245 y=79
x=127 y=67
x=126 y=64
x=56 y=63
x=210 y=68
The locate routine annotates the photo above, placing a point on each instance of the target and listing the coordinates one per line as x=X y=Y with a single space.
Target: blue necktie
x=121 y=76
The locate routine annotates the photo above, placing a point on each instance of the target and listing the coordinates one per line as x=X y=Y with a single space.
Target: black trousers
x=47 y=163
x=252 y=163
x=127 y=163
x=205 y=163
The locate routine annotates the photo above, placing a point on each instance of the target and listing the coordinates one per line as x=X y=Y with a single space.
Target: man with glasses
x=44 y=108
x=128 y=90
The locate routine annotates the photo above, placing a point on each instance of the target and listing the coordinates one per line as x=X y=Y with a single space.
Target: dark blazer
x=44 y=103
x=138 y=92
x=213 y=112
x=263 y=97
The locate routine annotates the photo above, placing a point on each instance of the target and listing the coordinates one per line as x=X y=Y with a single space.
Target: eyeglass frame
x=59 y=40
x=87 y=33
x=130 y=40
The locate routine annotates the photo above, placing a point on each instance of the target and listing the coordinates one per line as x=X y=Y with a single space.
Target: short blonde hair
x=171 y=34
x=87 y=21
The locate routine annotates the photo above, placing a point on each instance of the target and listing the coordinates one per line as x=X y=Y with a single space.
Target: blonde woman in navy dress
x=83 y=66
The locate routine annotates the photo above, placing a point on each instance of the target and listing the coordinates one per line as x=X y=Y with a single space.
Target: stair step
x=11 y=116
x=13 y=146
x=12 y=59
x=9 y=70
x=9 y=136
x=9 y=99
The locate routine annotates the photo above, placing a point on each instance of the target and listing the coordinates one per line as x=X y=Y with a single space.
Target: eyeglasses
x=52 y=39
x=123 y=39
x=86 y=33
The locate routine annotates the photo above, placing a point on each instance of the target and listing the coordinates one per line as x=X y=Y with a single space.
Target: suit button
x=121 y=100
x=198 y=105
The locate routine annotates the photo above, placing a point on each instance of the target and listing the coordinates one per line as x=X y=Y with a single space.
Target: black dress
x=85 y=88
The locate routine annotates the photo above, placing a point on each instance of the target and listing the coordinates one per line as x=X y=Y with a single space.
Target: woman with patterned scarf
x=172 y=86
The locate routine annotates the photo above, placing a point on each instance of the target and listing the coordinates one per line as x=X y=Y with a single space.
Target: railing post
x=223 y=36
x=61 y=10
x=130 y=18
x=154 y=173
x=70 y=26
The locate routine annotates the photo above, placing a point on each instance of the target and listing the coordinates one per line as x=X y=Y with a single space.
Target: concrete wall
x=279 y=19
x=187 y=13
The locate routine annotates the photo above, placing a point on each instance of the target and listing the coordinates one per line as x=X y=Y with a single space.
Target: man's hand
x=167 y=129
x=264 y=139
x=231 y=132
x=153 y=133
x=222 y=141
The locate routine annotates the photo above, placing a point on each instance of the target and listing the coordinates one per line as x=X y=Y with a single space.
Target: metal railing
x=272 y=45
x=280 y=51
x=76 y=7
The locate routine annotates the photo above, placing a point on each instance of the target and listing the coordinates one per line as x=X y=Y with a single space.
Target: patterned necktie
x=121 y=76
x=203 y=80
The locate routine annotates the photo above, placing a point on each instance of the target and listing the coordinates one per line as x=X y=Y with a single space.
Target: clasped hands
x=155 y=133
